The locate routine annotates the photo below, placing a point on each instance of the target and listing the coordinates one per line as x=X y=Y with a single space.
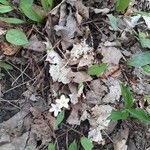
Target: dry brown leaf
x=9 y=49
x=96 y=92
x=81 y=54
x=79 y=77
x=35 y=45
x=99 y=121
x=111 y=55
x=121 y=139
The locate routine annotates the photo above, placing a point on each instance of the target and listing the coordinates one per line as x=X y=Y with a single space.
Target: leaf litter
x=71 y=27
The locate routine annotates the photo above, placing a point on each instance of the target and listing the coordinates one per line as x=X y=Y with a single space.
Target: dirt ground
x=35 y=82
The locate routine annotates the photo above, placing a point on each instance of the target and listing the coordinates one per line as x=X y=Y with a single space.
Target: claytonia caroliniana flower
x=60 y=103
x=55 y=108
x=63 y=101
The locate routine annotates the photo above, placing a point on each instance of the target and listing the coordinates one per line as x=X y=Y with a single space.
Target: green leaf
x=121 y=5
x=4 y=2
x=139 y=114
x=142 y=37
x=146 y=68
x=51 y=146
x=73 y=146
x=86 y=143
x=26 y=8
x=16 y=37
x=5 y=9
x=118 y=115
x=147 y=97
x=113 y=21
x=139 y=59
x=127 y=96
x=60 y=118
x=5 y=66
x=11 y=20
x=142 y=13
x=96 y=69
x=46 y=4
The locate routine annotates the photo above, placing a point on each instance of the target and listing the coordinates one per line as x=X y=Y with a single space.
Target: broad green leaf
x=113 y=21
x=5 y=66
x=4 y=2
x=86 y=143
x=60 y=118
x=46 y=4
x=5 y=9
x=143 y=13
x=96 y=69
x=147 y=97
x=51 y=146
x=16 y=37
x=127 y=96
x=11 y=20
x=146 y=68
x=145 y=43
x=139 y=114
x=73 y=146
x=139 y=59
x=118 y=115
x=26 y=8
x=121 y=5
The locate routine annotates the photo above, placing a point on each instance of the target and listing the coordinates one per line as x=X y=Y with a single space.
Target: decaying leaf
x=58 y=71
x=111 y=55
x=96 y=93
x=99 y=121
x=121 y=139
x=81 y=54
x=114 y=91
x=9 y=49
x=35 y=45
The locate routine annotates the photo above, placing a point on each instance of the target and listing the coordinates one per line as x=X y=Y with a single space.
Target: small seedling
x=128 y=109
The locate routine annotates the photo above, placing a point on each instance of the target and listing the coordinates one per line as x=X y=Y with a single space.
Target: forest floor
x=54 y=66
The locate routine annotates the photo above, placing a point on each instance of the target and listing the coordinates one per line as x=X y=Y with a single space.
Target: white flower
x=55 y=108
x=63 y=101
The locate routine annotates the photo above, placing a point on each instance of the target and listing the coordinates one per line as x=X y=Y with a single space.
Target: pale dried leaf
x=35 y=45
x=111 y=55
x=99 y=121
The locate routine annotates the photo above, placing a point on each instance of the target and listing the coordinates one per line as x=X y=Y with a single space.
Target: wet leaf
x=113 y=21
x=96 y=69
x=139 y=59
x=146 y=68
x=5 y=66
x=121 y=5
x=51 y=146
x=86 y=143
x=5 y=9
x=118 y=115
x=126 y=93
x=73 y=146
x=26 y=8
x=4 y=2
x=60 y=118
x=139 y=114
x=16 y=37
x=11 y=20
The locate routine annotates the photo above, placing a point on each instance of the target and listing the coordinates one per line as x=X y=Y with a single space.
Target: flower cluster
x=60 y=103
